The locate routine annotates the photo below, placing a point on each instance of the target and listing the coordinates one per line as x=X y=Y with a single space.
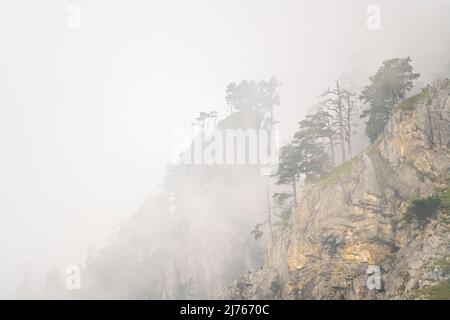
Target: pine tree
x=261 y=97
x=304 y=157
x=289 y=171
x=310 y=154
x=387 y=88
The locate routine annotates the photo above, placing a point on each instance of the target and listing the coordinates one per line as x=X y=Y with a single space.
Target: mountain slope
x=181 y=244
x=387 y=207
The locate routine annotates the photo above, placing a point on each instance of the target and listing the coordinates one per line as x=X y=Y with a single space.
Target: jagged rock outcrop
x=357 y=216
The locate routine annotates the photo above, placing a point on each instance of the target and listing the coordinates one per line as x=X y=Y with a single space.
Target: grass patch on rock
x=444 y=265
x=410 y=103
x=420 y=211
x=440 y=291
x=334 y=175
x=445 y=206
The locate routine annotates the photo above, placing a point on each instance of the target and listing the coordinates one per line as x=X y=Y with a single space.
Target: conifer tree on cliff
x=304 y=157
x=387 y=87
x=261 y=97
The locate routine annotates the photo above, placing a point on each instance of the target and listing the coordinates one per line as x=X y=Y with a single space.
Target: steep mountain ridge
x=365 y=212
x=180 y=244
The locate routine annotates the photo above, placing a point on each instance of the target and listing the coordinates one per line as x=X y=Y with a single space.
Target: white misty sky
x=86 y=115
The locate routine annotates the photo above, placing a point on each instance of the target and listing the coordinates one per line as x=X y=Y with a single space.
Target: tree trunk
x=270 y=215
x=342 y=136
x=340 y=109
x=333 y=160
x=349 y=144
x=294 y=193
x=271 y=117
x=430 y=124
x=349 y=140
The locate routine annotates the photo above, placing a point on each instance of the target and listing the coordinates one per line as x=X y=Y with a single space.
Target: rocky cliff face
x=388 y=207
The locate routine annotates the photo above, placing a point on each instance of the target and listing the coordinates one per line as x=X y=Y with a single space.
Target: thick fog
x=91 y=93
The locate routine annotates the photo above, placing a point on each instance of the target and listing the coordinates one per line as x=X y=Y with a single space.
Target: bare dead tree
x=335 y=105
x=350 y=108
x=340 y=106
x=325 y=117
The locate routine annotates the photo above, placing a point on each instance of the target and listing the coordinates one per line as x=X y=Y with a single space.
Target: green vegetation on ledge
x=444 y=264
x=334 y=175
x=422 y=210
x=410 y=103
x=441 y=291
x=445 y=206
